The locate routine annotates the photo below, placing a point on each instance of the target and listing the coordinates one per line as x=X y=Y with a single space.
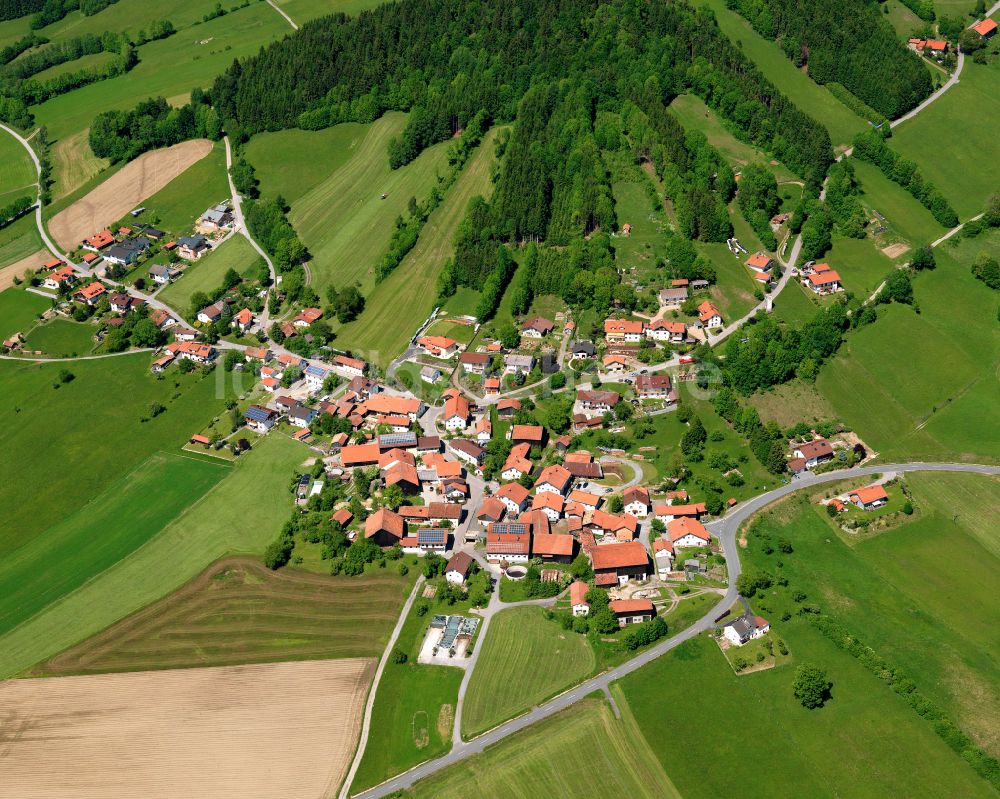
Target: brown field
x=255 y=732
x=18 y=268
x=124 y=190
x=238 y=611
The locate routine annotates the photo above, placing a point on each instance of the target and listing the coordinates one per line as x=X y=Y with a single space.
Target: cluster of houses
x=626 y=611
x=761 y=267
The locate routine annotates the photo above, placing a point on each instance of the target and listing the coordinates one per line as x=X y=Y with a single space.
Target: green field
x=386 y=325
x=525 y=660
x=939 y=402
x=811 y=98
x=241 y=514
x=641 y=249
x=93 y=538
x=88 y=62
x=206 y=274
x=238 y=611
x=918 y=594
x=178 y=205
x=18 y=310
x=860 y=263
x=882 y=747
x=957 y=169
x=19 y=240
x=92 y=432
x=795 y=305
x=905 y=217
x=170 y=67
x=304 y=10
x=584 y=752
x=62 y=338
x=17 y=173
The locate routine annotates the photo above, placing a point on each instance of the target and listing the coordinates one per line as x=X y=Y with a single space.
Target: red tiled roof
x=578 y=593
x=385 y=520
x=869 y=494
x=616 y=556
x=527 y=432
x=631 y=606
x=553 y=544
x=679 y=528
x=555 y=475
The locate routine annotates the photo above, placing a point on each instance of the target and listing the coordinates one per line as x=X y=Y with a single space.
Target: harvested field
x=238 y=611
x=265 y=731
x=17 y=269
x=124 y=190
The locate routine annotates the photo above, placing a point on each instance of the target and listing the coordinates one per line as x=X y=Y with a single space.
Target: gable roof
x=539 y=323
x=618 y=556
x=557 y=544
x=459 y=562
x=555 y=475
x=631 y=606
x=815 y=449
x=527 y=432
x=578 y=593
x=679 y=528
x=636 y=494
x=384 y=520
x=869 y=494
x=515 y=492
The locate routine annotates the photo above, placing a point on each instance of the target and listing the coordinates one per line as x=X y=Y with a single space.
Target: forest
x=849 y=42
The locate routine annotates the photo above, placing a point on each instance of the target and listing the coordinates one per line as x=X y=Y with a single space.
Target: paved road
x=725 y=529
x=944 y=87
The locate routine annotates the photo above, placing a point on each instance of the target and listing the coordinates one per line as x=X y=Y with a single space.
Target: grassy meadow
x=62 y=338
x=18 y=311
x=386 y=325
x=585 y=752
x=905 y=217
x=92 y=539
x=177 y=206
x=92 y=431
x=17 y=173
x=19 y=240
x=525 y=650
x=810 y=97
x=238 y=611
x=206 y=274
x=242 y=513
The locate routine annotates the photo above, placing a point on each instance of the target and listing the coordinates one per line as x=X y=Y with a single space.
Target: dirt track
x=124 y=190
x=254 y=732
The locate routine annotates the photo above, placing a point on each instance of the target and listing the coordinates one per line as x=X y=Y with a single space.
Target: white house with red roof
x=745 y=629
x=709 y=315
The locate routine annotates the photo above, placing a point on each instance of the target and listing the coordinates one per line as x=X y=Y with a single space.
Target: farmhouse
x=553 y=547
x=403 y=475
x=586 y=500
x=637 y=501
x=200 y=353
x=492 y=510
x=709 y=315
x=622 y=330
x=599 y=402
x=99 y=241
x=814 y=452
x=688 y=533
x=632 y=611
x=662 y=330
x=673 y=298
x=655 y=387
x=350 y=366
x=307 y=317
x=510 y=542
x=468 y=451
x=457 y=414
x=385 y=404
x=191 y=248
x=578 y=598
x=745 y=628
x=616 y=564
x=507 y=407
x=457 y=568
x=90 y=294
x=869 y=497
x=531 y=434
x=667 y=513
x=385 y=527
x=537 y=327
x=554 y=478
x=517 y=464
x=438 y=346
x=549 y=503
x=359 y=455
x=514 y=496
x=210 y=314
x=826 y=282
x=259 y=418
x=474 y=362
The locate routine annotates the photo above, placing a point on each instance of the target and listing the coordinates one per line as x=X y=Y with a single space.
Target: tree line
x=847 y=42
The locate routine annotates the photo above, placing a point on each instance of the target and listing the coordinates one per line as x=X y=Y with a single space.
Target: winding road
x=726 y=530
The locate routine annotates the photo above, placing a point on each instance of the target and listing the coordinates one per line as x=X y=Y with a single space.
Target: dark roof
x=192 y=241
x=432 y=535
x=584 y=348
x=460 y=562
x=255 y=413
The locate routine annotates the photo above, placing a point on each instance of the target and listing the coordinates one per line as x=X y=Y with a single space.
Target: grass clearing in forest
x=526 y=650
x=239 y=611
x=584 y=751
x=386 y=325
x=242 y=513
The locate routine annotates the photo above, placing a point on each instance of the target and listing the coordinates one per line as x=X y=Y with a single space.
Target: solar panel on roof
x=513 y=528
x=255 y=414
x=397 y=439
x=432 y=536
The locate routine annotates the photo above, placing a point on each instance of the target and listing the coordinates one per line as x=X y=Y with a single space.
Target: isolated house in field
x=578 y=598
x=385 y=527
x=745 y=628
x=632 y=611
x=869 y=497
x=826 y=282
x=259 y=418
x=937 y=47
x=191 y=248
x=537 y=327
x=814 y=452
x=760 y=262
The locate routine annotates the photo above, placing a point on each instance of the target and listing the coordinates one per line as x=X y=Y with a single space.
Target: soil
x=17 y=269
x=258 y=732
x=124 y=190
x=895 y=250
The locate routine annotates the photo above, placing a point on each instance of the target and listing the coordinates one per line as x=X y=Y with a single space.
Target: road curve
x=726 y=529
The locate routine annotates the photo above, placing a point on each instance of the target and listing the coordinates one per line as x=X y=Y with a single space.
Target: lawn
x=458 y=331
x=238 y=611
x=414 y=710
x=584 y=752
x=92 y=431
x=240 y=514
x=130 y=16
x=61 y=338
x=343 y=219
x=795 y=305
x=811 y=98
x=304 y=10
x=972 y=107
x=525 y=660
x=206 y=274
x=91 y=61
x=860 y=263
x=386 y=325
x=643 y=247
x=93 y=538
x=939 y=402
x=17 y=173
x=168 y=68
x=689 y=703
x=695 y=115
x=919 y=594
x=177 y=206
x=19 y=310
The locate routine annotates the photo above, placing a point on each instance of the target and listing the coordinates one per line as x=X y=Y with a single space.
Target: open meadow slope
x=525 y=650
x=206 y=274
x=123 y=191
x=18 y=310
x=20 y=248
x=179 y=204
x=389 y=320
x=238 y=611
x=17 y=173
x=266 y=731
x=240 y=514
x=584 y=752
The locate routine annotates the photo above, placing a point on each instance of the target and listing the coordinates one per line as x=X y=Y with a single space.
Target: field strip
x=124 y=190
x=258 y=732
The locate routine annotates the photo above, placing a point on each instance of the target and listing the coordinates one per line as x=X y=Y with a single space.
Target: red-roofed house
x=824 y=282
x=632 y=611
x=63 y=276
x=869 y=497
x=549 y=503
x=620 y=562
x=553 y=547
x=244 y=320
x=709 y=315
x=530 y=434
x=438 y=346
x=578 y=598
x=760 y=261
x=622 y=330
x=514 y=496
x=91 y=293
x=99 y=241
x=456 y=413
x=474 y=362
x=667 y=513
x=554 y=478
x=307 y=317
x=688 y=533
x=511 y=547
x=986 y=28
x=537 y=327
x=637 y=501
x=517 y=464
x=385 y=527
x=814 y=452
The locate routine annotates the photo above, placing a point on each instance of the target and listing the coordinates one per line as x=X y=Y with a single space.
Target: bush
x=811 y=686
x=399 y=656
